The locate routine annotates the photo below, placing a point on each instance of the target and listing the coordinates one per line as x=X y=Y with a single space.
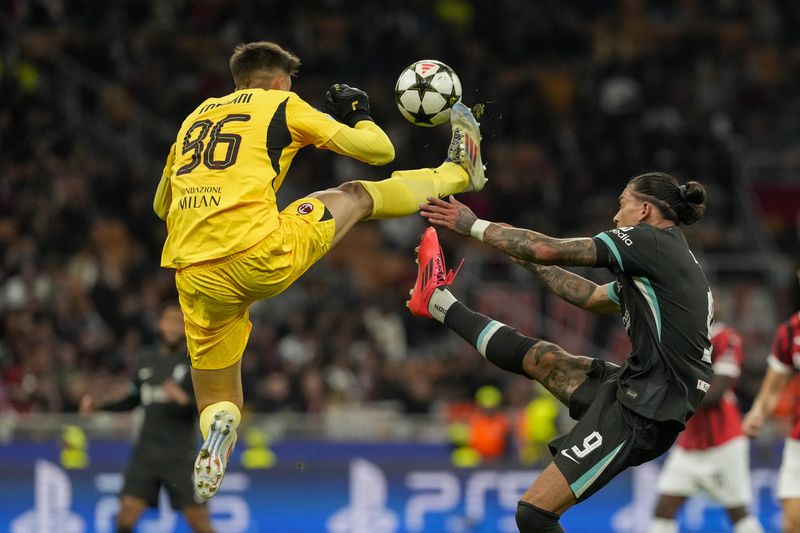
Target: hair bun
x=692 y=206
x=695 y=192
x=678 y=203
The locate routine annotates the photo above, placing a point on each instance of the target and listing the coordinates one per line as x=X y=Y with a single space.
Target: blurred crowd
x=580 y=96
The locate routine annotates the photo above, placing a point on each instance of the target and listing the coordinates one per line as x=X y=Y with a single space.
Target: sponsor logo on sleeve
x=622 y=234
x=703 y=385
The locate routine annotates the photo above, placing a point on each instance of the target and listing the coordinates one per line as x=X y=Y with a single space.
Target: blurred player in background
x=782 y=362
x=712 y=455
x=226 y=238
x=626 y=415
x=164 y=452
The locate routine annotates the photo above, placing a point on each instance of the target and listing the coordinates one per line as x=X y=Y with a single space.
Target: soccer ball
x=425 y=92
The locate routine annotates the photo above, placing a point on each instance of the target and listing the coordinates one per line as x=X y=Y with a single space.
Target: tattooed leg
x=505 y=347
x=560 y=372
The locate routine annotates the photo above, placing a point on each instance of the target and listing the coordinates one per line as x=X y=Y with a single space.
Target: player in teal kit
x=627 y=414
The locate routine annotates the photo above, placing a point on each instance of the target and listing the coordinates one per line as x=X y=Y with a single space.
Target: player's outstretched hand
x=452 y=215
x=346 y=104
x=751 y=425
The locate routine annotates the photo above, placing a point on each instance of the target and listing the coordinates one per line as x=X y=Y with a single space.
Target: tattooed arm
x=528 y=245
x=573 y=288
x=535 y=247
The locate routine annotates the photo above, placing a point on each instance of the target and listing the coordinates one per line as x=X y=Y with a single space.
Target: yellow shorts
x=215 y=296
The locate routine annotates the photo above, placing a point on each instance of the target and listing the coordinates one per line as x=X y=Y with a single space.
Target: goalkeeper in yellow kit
x=229 y=244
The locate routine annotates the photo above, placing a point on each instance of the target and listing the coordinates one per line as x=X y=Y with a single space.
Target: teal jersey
x=666 y=307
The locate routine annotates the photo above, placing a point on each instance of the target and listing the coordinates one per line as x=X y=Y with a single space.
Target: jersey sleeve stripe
x=646 y=288
x=612 y=293
x=777 y=365
x=613 y=247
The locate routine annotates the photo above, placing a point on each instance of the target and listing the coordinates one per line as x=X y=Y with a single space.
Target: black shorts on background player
x=164 y=452
x=146 y=474
x=609 y=437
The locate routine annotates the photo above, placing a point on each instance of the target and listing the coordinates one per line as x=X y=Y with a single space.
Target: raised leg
x=404 y=191
x=560 y=372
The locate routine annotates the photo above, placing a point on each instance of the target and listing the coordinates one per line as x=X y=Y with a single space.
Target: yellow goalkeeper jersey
x=217 y=191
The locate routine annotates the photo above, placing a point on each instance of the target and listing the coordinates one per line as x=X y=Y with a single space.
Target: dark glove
x=347 y=104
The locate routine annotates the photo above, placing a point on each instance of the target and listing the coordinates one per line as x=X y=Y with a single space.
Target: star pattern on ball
x=423 y=85
x=421 y=117
x=453 y=97
x=425 y=91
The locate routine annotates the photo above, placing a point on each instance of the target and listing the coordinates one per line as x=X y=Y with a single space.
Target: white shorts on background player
x=722 y=472
x=789 y=477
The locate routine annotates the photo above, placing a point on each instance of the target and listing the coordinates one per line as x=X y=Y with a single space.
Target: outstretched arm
x=366 y=142
x=131 y=399
x=573 y=288
x=527 y=245
x=355 y=136
x=363 y=139
x=539 y=248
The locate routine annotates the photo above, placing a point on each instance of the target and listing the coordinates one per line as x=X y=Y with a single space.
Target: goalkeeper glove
x=347 y=104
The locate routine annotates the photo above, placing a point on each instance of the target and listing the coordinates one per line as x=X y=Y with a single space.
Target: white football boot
x=212 y=460
x=465 y=146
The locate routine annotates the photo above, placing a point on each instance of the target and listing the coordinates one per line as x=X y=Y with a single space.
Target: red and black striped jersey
x=716 y=425
x=785 y=357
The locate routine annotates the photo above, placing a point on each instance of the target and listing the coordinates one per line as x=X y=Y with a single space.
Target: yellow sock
x=207 y=416
x=406 y=190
